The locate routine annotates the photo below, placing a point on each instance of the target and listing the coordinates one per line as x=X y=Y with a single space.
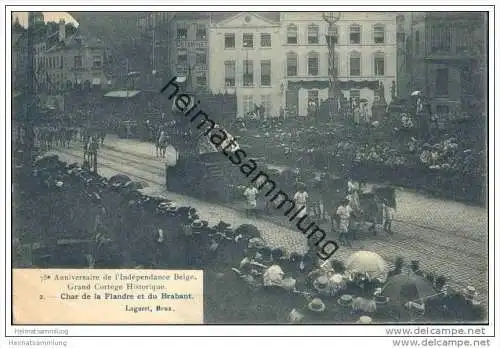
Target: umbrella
x=181 y=79
x=363 y=100
x=119 y=178
x=402 y=288
x=415 y=93
x=367 y=262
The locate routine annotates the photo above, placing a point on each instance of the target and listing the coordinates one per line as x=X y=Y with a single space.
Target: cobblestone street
x=449 y=238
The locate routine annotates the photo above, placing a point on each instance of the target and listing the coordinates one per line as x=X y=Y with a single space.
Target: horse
x=161 y=145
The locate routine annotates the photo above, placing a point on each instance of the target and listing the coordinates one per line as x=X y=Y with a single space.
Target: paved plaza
x=449 y=238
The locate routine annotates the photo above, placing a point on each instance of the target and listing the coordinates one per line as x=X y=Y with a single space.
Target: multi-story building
x=71 y=63
x=189 y=50
x=155 y=43
x=403 y=87
x=245 y=59
x=447 y=59
x=19 y=56
x=365 y=57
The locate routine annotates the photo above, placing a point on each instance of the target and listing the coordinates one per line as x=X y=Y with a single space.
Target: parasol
x=119 y=178
x=415 y=93
x=402 y=288
x=367 y=262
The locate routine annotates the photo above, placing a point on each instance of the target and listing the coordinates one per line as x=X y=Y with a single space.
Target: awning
x=121 y=94
x=343 y=85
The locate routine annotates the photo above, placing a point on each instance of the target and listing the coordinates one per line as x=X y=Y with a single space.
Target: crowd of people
x=378 y=153
x=83 y=220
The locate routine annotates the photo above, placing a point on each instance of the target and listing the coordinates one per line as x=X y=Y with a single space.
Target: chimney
x=62 y=30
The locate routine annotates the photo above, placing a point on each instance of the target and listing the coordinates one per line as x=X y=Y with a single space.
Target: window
x=230 y=73
x=378 y=34
x=248 y=105
x=62 y=62
x=379 y=64
x=201 y=78
x=248 y=73
x=313 y=64
x=182 y=31
x=440 y=38
x=78 y=61
x=201 y=32
x=355 y=64
x=201 y=56
x=442 y=109
x=417 y=41
x=313 y=34
x=401 y=37
x=265 y=40
x=182 y=57
x=467 y=80
x=463 y=39
x=291 y=34
x=248 y=40
x=96 y=64
x=355 y=34
x=442 y=82
x=229 y=41
x=291 y=64
x=267 y=105
x=265 y=73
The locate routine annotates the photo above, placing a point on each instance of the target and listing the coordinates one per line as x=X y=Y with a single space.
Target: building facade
x=72 y=63
x=155 y=41
x=365 y=57
x=19 y=56
x=447 y=59
x=245 y=59
x=188 y=54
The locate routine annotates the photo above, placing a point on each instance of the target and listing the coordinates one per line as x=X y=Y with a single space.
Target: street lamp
x=331 y=38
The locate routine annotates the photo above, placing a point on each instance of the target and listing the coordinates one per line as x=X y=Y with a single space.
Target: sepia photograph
x=198 y=167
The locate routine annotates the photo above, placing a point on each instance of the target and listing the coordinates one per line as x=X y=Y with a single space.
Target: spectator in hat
x=415 y=267
x=398 y=266
x=251 y=279
x=266 y=256
x=277 y=254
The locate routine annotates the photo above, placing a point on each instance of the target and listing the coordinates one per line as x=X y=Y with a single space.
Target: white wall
x=367 y=48
x=218 y=55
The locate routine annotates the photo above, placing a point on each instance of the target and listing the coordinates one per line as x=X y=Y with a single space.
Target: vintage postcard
x=205 y=167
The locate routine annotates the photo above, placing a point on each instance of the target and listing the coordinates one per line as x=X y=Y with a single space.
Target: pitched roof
x=76 y=41
x=265 y=16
